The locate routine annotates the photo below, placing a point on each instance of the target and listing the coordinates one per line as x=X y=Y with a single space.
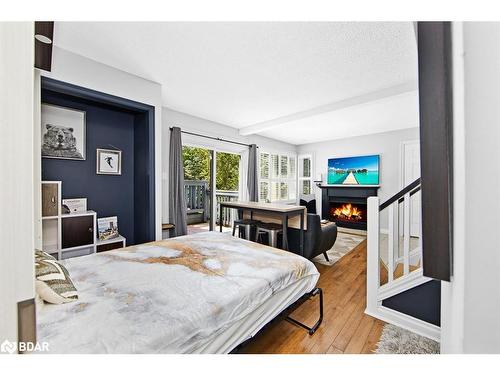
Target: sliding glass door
x=198 y=174
x=205 y=169
x=227 y=174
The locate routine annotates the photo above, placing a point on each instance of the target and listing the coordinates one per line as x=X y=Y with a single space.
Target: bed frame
x=285 y=314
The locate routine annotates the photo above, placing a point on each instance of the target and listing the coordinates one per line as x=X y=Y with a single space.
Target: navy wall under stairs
x=422 y=302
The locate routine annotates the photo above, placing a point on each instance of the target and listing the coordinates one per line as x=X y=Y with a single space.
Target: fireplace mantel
x=348 y=186
x=346 y=194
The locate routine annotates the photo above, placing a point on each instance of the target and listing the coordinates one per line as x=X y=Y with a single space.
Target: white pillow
x=53 y=282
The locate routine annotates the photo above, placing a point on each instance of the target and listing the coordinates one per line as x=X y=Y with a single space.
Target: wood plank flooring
x=345 y=328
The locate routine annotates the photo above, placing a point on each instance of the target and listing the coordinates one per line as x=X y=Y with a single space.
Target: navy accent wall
x=107 y=195
x=422 y=302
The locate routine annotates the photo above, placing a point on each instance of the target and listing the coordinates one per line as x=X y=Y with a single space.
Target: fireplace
x=348 y=213
x=347 y=206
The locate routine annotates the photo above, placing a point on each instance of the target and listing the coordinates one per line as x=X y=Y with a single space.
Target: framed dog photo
x=109 y=162
x=63 y=132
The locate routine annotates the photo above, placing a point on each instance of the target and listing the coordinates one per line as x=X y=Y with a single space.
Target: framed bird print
x=109 y=162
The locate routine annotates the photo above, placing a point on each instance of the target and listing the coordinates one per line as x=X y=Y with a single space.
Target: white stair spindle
x=373 y=255
x=406 y=235
x=390 y=251
x=395 y=237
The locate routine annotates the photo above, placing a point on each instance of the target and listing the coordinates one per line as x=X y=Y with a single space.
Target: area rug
x=395 y=340
x=345 y=243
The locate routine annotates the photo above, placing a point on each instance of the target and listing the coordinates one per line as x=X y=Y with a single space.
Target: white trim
x=406 y=322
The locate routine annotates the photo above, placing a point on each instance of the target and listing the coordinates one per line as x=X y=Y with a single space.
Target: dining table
x=290 y=216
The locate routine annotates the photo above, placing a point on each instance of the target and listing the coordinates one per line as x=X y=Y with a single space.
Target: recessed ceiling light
x=43 y=39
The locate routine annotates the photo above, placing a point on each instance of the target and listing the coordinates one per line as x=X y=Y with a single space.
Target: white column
x=17 y=171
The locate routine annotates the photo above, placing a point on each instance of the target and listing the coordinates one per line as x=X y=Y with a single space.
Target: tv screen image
x=356 y=170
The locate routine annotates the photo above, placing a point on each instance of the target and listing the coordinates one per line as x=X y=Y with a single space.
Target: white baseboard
x=406 y=322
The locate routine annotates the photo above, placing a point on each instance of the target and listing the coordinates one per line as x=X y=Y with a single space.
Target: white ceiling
x=383 y=115
x=241 y=74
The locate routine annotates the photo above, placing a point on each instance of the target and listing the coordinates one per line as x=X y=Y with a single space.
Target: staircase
x=394 y=260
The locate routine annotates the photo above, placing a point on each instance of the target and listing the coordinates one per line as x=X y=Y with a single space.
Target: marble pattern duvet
x=171 y=296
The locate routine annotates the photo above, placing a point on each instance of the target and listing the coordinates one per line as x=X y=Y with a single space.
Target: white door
x=410 y=172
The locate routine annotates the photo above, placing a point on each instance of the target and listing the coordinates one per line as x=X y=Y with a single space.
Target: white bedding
x=203 y=293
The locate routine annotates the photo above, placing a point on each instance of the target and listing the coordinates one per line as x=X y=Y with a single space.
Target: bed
x=202 y=293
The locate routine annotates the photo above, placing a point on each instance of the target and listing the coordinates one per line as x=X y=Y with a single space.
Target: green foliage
x=197 y=167
x=227 y=171
x=196 y=163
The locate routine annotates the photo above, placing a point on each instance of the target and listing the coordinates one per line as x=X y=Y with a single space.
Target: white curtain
x=243 y=186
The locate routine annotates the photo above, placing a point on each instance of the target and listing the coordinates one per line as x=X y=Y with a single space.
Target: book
x=107 y=228
x=75 y=205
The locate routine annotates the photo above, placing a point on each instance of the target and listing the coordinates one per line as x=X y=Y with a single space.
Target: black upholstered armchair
x=318 y=239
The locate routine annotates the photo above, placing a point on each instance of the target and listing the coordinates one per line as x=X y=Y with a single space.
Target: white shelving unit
x=51 y=217
x=119 y=239
x=53 y=224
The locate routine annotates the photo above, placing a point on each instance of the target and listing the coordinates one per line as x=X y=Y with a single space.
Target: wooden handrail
x=399 y=196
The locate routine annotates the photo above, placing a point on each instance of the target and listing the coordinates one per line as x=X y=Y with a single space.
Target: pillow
x=39 y=254
x=311 y=205
x=53 y=283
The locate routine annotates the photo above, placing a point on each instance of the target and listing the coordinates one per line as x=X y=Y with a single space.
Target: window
x=277 y=177
x=305 y=175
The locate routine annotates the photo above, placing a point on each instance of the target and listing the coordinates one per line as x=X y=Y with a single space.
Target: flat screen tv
x=356 y=170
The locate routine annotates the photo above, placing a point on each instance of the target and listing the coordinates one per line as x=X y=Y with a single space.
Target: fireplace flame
x=348 y=211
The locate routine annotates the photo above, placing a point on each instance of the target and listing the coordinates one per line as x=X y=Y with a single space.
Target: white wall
x=202 y=126
x=482 y=174
x=475 y=286
x=387 y=145
x=452 y=293
x=81 y=71
x=198 y=125
x=17 y=171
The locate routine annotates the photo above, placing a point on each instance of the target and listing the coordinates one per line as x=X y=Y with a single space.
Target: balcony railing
x=197 y=195
x=228 y=214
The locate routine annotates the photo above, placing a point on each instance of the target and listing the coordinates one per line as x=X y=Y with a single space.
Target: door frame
x=402 y=159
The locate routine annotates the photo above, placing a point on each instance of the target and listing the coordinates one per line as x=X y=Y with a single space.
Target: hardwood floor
x=345 y=328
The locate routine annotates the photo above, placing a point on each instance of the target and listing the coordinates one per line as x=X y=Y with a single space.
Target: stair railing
x=375 y=291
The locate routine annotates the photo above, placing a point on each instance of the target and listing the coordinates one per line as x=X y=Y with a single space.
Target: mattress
x=202 y=293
